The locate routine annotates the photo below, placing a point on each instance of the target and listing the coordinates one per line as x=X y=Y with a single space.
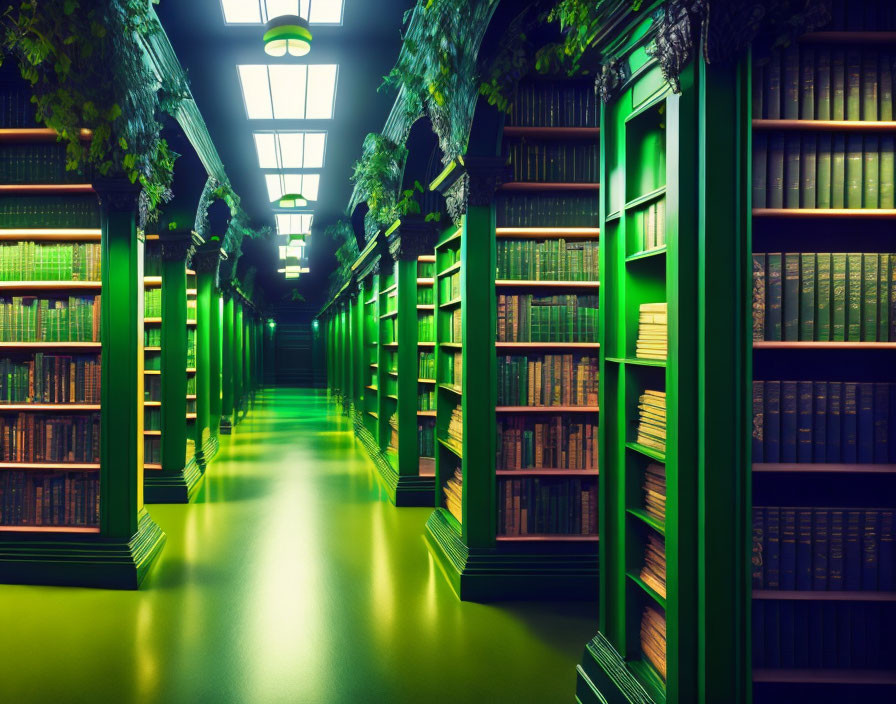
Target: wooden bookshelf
x=51 y=285
x=43 y=466
x=49 y=407
x=825 y=125
x=548 y=232
x=823 y=468
x=524 y=283
x=558 y=133
x=52 y=345
x=37 y=234
x=833 y=213
x=542 y=186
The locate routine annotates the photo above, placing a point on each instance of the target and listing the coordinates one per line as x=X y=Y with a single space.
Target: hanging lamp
x=290 y=200
x=287 y=34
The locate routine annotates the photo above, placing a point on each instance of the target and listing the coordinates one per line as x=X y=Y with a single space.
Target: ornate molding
x=676 y=35
x=612 y=75
x=207 y=260
x=477 y=185
x=117 y=194
x=179 y=245
x=414 y=237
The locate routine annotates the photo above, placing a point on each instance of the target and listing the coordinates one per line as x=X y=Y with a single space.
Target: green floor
x=290 y=580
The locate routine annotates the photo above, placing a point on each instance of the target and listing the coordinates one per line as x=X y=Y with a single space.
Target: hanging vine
x=347 y=253
x=377 y=176
x=84 y=65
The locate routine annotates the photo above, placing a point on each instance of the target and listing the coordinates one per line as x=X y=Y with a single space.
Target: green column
x=227 y=363
x=205 y=262
x=215 y=361
x=237 y=358
x=248 y=389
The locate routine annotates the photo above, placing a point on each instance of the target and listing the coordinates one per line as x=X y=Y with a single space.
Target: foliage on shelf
x=377 y=175
x=347 y=253
x=84 y=65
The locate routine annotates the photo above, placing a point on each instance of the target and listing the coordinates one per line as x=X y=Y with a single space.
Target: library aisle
x=290 y=579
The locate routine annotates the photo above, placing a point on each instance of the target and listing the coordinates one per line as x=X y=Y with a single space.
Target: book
x=546 y=442
x=651 y=429
x=547 y=506
x=652 y=342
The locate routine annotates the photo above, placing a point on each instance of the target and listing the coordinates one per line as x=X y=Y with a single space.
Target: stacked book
x=653 y=638
x=652 y=420
x=653 y=573
x=653 y=331
x=454 y=494
x=455 y=429
x=655 y=491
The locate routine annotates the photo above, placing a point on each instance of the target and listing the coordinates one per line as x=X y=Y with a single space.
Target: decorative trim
x=179 y=245
x=676 y=35
x=613 y=74
x=604 y=677
x=476 y=186
x=177 y=487
x=117 y=194
x=412 y=238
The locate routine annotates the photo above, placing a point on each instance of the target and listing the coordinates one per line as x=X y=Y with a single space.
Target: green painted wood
x=227 y=361
x=238 y=388
x=215 y=313
x=406 y=355
x=205 y=262
x=174 y=362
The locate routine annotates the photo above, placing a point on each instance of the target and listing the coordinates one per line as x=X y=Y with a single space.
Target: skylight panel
x=294 y=223
x=290 y=150
x=280 y=184
x=288 y=91
x=290 y=250
x=260 y=11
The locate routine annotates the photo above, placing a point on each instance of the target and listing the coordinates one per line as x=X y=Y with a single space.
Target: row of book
x=449 y=255
x=824 y=297
x=455 y=326
x=454 y=372
x=653 y=638
x=823 y=635
x=49 y=499
x=426 y=365
x=554 y=104
x=559 y=318
x=871 y=15
x=152 y=418
x=823 y=549
x=553 y=162
x=35 y=437
x=554 y=442
x=653 y=331
x=823 y=171
x=654 y=487
x=547 y=260
x=152 y=302
x=47 y=378
x=388 y=331
x=653 y=571
x=45 y=211
x=453 y=490
x=37 y=162
x=426 y=270
x=449 y=287
x=390 y=303
x=805 y=82
x=538 y=210
x=426 y=397
x=424 y=295
x=426 y=438
x=824 y=421
x=32 y=261
x=651 y=226
x=152 y=387
x=152 y=449
x=455 y=430
x=16 y=108
x=32 y=319
x=547 y=506
x=548 y=380
x=426 y=327
x=651 y=431
x=191 y=348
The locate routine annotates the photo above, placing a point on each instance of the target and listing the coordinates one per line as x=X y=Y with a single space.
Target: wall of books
x=152 y=354
x=426 y=365
x=824 y=390
x=191 y=365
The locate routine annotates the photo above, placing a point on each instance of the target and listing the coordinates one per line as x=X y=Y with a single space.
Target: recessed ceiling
x=293 y=223
x=298 y=149
x=288 y=91
x=281 y=184
x=260 y=11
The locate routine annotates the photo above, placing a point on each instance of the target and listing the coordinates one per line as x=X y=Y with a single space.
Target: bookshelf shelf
x=822 y=468
x=152 y=321
x=449 y=270
x=451 y=345
x=634 y=361
x=48 y=529
x=424 y=343
x=392 y=314
x=828 y=676
x=45 y=466
x=562 y=133
x=390 y=345
x=568 y=233
x=796 y=595
x=451 y=447
x=649 y=197
x=386 y=291
x=647 y=519
x=372 y=388
x=152 y=281
x=425 y=306
x=546 y=409
x=541 y=186
x=394 y=397
x=374 y=365
x=152 y=349
x=646 y=451
x=191 y=370
x=426 y=414
x=647 y=589
x=547 y=538
x=153 y=433
x=426 y=281
x=60 y=188
x=191 y=416
x=421 y=380
x=646 y=254
x=373 y=413
x=825 y=125
x=191 y=323
x=152 y=372
x=509 y=283
x=547 y=472
x=35 y=134
x=52 y=345
x=191 y=397
x=776 y=345
x=452 y=389
x=51 y=285
x=453 y=303
x=51 y=234
x=547 y=345
x=427 y=259
x=152 y=404
x=815 y=213
x=392 y=373
x=48 y=407
x=152 y=466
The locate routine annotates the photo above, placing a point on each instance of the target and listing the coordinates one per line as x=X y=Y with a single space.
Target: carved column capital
x=179 y=245
x=476 y=186
x=412 y=238
x=207 y=259
x=117 y=194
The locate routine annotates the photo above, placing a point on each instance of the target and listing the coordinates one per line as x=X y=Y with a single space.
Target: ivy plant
x=376 y=176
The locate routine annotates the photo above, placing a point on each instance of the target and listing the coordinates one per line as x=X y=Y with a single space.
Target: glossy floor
x=290 y=580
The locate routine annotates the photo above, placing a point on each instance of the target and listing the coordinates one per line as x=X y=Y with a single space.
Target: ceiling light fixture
x=287 y=34
x=290 y=200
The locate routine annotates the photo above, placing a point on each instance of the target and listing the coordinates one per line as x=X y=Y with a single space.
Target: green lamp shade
x=290 y=276
x=293 y=239
x=287 y=34
x=291 y=200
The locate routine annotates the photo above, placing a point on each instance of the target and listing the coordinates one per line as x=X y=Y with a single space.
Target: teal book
x=871 y=176
x=870 y=86
x=823 y=297
x=886 y=87
x=775 y=181
x=822 y=84
x=887 y=169
x=853 y=297
x=773 y=297
x=758 y=296
x=807 y=83
x=854 y=158
x=772 y=101
x=790 y=83
x=760 y=169
x=807 y=171
x=838 y=172
x=853 y=84
x=807 y=297
x=792 y=146
x=823 y=172
x=838 y=85
x=791 y=299
x=871 y=276
x=883 y=294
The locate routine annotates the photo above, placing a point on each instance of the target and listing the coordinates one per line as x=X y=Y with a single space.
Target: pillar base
x=605 y=677
x=178 y=487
